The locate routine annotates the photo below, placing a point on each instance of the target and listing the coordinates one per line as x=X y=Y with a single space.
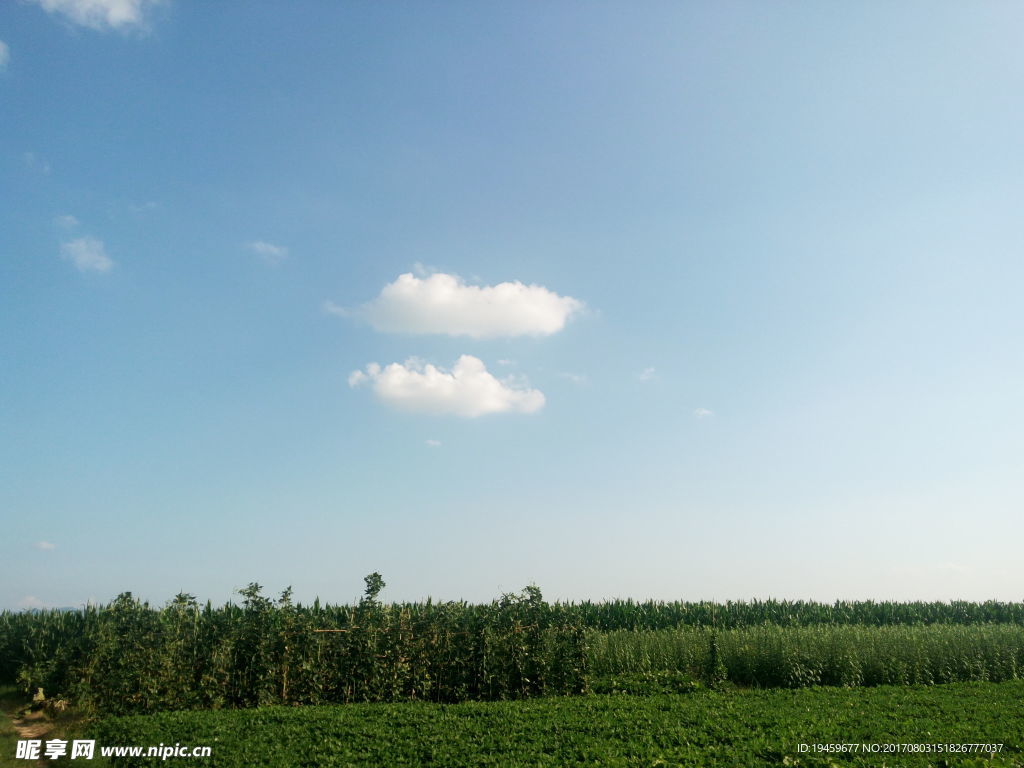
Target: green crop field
x=703 y=729
x=130 y=658
x=520 y=681
x=844 y=655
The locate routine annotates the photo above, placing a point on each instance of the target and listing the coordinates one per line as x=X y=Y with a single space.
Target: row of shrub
x=791 y=657
x=128 y=657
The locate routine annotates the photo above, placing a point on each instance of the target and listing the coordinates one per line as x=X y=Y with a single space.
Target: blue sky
x=737 y=286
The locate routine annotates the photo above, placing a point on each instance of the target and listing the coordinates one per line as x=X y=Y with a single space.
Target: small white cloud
x=5 y=55
x=146 y=207
x=434 y=443
x=646 y=374
x=575 y=378
x=67 y=221
x=46 y=546
x=29 y=602
x=467 y=390
x=270 y=253
x=445 y=304
x=87 y=254
x=703 y=413
x=36 y=163
x=503 y=361
x=336 y=309
x=102 y=14
x=957 y=568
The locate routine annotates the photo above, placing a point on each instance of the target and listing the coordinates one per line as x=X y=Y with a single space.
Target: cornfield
x=652 y=614
x=770 y=656
x=129 y=657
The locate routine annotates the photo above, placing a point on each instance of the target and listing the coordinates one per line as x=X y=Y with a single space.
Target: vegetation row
x=704 y=730
x=128 y=657
x=652 y=614
x=794 y=657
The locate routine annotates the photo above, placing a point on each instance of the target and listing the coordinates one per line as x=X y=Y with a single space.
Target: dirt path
x=16 y=723
x=32 y=725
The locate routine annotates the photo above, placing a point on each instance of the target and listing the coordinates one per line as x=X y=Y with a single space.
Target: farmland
x=130 y=658
x=845 y=655
x=520 y=681
x=704 y=729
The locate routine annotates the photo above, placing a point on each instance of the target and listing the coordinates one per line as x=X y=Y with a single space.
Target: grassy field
x=704 y=728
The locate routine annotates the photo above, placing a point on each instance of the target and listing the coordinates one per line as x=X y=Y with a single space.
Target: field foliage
x=705 y=729
x=770 y=656
x=654 y=614
x=128 y=657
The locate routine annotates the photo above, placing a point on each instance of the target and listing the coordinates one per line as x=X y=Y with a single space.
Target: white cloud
x=646 y=374
x=442 y=303
x=36 y=163
x=504 y=361
x=575 y=378
x=102 y=14
x=31 y=601
x=468 y=390
x=703 y=413
x=270 y=253
x=336 y=309
x=87 y=253
x=434 y=443
x=67 y=221
x=5 y=55
x=46 y=546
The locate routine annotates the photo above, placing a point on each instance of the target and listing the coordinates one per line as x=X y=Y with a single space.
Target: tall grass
x=791 y=657
x=653 y=614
